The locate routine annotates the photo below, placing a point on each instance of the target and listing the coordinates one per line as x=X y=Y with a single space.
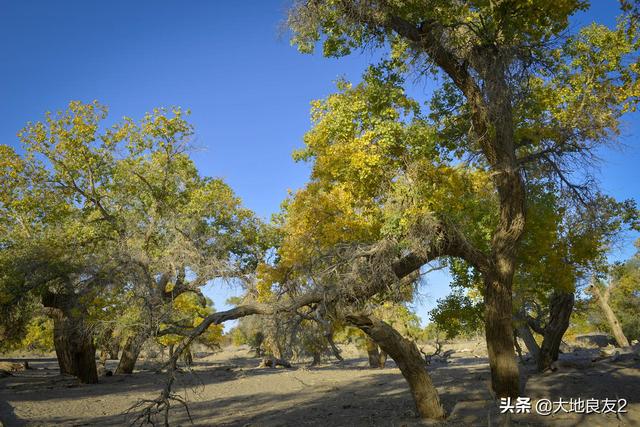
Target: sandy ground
x=226 y=389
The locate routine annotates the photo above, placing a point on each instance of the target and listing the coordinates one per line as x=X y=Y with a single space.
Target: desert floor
x=227 y=389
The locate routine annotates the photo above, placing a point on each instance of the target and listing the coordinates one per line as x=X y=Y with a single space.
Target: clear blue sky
x=229 y=62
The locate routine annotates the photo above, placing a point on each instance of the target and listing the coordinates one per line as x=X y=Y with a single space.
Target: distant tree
x=457 y=315
x=617 y=302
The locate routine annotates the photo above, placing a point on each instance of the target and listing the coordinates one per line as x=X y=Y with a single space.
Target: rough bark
x=505 y=376
x=72 y=338
x=561 y=306
x=74 y=347
x=602 y=298
x=408 y=358
x=130 y=352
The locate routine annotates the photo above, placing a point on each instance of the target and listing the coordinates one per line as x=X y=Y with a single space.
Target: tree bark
x=612 y=320
x=373 y=353
x=529 y=341
x=505 y=376
x=72 y=338
x=130 y=352
x=407 y=356
x=561 y=306
x=74 y=347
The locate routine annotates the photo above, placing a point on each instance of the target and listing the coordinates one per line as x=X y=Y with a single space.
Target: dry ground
x=226 y=389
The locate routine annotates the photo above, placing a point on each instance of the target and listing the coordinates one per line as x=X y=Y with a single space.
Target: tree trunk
x=382 y=359
x=407 y=356
x=505 y=377
x=522 y=330
x=113 y=350
x=316 y=359
x=612 y=319
x=74 y=347
x=373 y=353
x=130 y=353
x=529 y=341
x=334 y=348
x=187 y=356
x=174 y=362
x=561 y=306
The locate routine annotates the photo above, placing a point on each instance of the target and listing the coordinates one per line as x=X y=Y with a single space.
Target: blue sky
x=231 y=64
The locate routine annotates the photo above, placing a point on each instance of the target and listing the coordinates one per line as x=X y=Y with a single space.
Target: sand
x=227 y=389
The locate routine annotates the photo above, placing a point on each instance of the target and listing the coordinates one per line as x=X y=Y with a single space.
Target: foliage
x=458 y=315
x=625 y=295
x=112 y=215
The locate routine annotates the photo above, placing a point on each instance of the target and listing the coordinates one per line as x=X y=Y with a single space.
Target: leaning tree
x=516 y=91
x=519 y=100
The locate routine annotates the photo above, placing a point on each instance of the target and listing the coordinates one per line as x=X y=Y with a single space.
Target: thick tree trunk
x=408 y=358
x=74 y=348
x=130 y=352
x=505 y=377
x=561 y=306
x=612 y=319
x=72 y=338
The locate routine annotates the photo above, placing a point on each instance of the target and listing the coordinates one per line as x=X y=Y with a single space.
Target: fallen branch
x=437 y=355
x=151 y=408
x=272 y=362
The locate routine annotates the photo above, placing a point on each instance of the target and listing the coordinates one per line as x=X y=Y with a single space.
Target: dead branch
x=437 y=355
x=150 y=409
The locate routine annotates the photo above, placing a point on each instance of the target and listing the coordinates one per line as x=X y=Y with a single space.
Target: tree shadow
x=379 y=397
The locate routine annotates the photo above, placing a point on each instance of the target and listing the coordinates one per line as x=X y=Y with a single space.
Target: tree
x=517 y=94
x=619 y=299
x=457 y=314
x=572 y=244
x=122 y=211
x=625 y=295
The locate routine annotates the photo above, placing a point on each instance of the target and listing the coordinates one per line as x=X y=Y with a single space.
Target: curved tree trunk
x=407 y=356
x=130 y=352
x=561 y=306
x=74 y=348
